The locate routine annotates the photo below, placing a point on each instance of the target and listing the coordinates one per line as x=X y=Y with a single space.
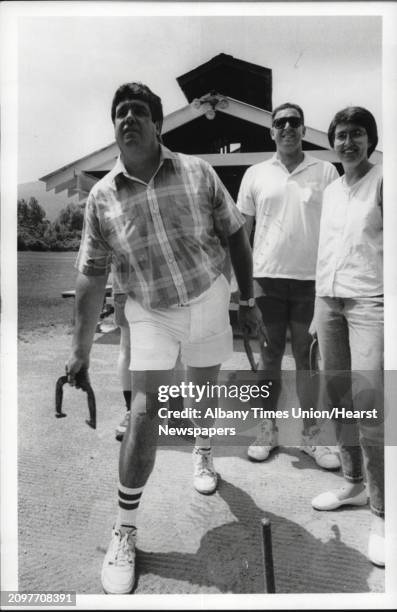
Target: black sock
x=127 y=398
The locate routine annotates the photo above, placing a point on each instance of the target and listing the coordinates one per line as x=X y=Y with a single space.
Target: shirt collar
x=120 y=169
x=307 y=161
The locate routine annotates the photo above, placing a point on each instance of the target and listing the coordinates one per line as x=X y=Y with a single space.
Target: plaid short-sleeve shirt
x=163 y=238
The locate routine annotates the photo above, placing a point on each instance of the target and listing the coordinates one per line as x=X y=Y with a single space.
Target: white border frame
x=10 y=11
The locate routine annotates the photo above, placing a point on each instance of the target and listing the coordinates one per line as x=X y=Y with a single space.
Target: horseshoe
x=84 y=384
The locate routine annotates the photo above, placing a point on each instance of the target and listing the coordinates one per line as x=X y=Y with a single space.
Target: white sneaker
x=122 y=428
x=205 y=478
x=266 y=441
x=118 y=570
x=326 y=457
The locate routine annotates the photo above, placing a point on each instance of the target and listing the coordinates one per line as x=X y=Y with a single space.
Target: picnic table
x=107 y=306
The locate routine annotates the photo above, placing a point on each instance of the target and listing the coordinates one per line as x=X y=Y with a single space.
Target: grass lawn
x=41 y=279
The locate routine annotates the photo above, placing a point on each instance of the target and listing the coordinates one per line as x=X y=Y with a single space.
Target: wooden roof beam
x=69 y=184
x=95 y=161
x=264 y=118
x=247 y=159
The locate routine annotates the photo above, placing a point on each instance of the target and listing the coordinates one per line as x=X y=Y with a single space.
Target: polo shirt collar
x=307 y=161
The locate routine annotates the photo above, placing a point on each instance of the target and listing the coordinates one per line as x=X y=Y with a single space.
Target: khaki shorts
x=200 y=331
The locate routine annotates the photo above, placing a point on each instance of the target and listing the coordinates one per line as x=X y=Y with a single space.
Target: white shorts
x=200 y=331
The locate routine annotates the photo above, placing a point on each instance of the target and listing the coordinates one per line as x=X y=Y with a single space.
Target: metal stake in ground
x=268 y=569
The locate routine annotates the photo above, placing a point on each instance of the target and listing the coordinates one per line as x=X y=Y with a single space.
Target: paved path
x=188 y=543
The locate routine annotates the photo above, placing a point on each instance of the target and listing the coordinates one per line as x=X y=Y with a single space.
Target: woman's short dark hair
x=138 y=91
x=288 y=105
x=362 y=117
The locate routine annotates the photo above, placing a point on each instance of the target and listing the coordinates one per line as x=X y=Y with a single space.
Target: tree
x=37 y=213
x=32 y=225
x=36 y=233
x=71 y=217
x=23 y=213
x=30 y=214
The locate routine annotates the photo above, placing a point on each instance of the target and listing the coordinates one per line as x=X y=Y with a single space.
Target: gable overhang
x=104 y=159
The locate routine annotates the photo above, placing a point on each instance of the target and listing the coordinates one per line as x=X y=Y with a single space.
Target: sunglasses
x=293 y=122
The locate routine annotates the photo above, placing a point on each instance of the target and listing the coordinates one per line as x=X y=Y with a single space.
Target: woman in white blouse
x=348 y=317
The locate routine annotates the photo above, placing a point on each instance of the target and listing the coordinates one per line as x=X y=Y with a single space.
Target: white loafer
x=376 y=549
x=331 y=501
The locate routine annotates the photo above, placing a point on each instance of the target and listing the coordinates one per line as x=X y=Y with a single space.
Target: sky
x=70 y=65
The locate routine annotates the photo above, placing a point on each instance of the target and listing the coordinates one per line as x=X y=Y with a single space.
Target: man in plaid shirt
x=161 y=218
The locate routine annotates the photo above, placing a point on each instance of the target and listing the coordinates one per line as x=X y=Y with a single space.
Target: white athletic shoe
x=118 y=570
x=326 y=457
x=122 y=428
x=205 y=478
x=266 y=441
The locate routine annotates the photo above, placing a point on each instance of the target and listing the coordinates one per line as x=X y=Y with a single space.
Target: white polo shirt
x=350 y=254
x=287 y=210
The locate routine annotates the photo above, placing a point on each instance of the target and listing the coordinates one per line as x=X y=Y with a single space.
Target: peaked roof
x=103 y=159
x=232 y=77
x=227 y=121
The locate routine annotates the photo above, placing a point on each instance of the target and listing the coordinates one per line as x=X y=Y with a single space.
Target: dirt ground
x=188 y=543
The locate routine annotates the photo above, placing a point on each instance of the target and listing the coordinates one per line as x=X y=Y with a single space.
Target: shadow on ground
x=230 y=556
x=188 y=543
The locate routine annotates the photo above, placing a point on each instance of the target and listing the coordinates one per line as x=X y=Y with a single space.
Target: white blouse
x=350 y=254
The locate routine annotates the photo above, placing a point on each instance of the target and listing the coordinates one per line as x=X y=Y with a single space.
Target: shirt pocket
x=131 y=229
x=189 y=213
x=311 y=194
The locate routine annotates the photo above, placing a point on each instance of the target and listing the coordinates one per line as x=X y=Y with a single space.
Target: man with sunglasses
x=283 y=197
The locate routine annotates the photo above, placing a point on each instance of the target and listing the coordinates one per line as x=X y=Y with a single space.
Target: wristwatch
x=250 y=302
